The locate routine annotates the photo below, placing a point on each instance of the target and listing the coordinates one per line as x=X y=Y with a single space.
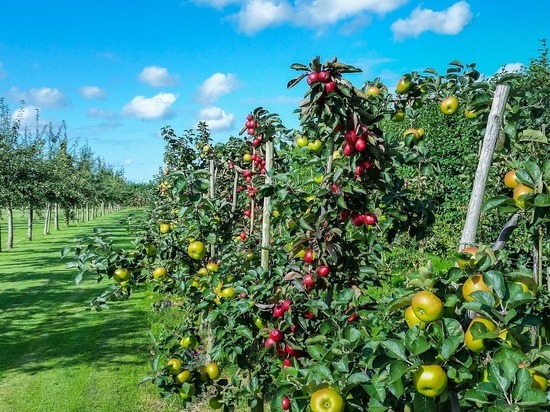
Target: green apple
x=301 y=141
x=372 y=91
x=404 y=85
x=315 y=146
x=449 y=105
x=398 y=116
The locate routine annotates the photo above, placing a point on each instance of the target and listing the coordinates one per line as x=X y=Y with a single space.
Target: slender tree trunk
x=67 y=216
x=56 y=216
x=87 y=212
x=47 y=214
x=29 y=223
x=102 y=208
x=9 y=243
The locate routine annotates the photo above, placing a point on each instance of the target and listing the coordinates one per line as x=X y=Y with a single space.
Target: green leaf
x=532 y=397
x=397 y=370
x=242 y=330
x=358 y=378
x=351 y=334
x=322 y=371
x=299 y=66
x=496 y=281
x=395 y=349
x=530 y=135
x=497 y=201
x=450 y=345
x=317 y=352
x=416 y=343
x=423 y=403
x=489 y=388
x=523 y=382
x=476 y=396
x=542 y=200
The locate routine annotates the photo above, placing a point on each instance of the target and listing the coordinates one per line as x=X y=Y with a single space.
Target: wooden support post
x=489 y=141
x=211 y=195
x=266 y=221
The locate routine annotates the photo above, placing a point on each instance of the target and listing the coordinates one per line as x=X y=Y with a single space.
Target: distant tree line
x=43 y=171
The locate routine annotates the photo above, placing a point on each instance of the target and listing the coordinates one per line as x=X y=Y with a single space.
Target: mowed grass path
x=55 y=354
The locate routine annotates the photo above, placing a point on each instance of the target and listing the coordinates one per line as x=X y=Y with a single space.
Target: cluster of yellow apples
x=520 y=189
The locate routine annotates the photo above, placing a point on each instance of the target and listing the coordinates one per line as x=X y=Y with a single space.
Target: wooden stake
x=266 y=221
x=489 y=141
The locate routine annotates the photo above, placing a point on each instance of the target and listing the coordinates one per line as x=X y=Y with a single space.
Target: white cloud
x=3 y=73
x=100 y=113
x=216 y=118
x=47 y=97
x=43 y=97
x=128 y=162
x=27 y=115
x=217 y=85
x=155 y=107
x=92 y=92
x=321 y=12
x=256 y=15
x=512 y=67
x=156 y=76
x=449 y=21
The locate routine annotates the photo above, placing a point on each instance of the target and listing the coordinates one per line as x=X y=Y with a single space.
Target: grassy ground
x=57 y=355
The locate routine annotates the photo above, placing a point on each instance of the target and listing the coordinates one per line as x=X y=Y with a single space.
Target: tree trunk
x=29 y=223
x=56 y=216
x=47 y=218
x=489 y=141
x=87 y=212
x=9 y=243
x=67 y=216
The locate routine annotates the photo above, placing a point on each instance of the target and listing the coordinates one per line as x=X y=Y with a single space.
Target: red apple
x=323 y=271
x=309 y=280
x=361 y=145
x=309 y=256
x=269 y=343
x=285 y=404
x=351 y=136
x=286 y=304
x=348 y=149
x=370 y=219
x=324 y=76
x=313 y=77
x=344 y=215
x=357 y=219
x=330 y=86
x=278 y=311
x=276 y=335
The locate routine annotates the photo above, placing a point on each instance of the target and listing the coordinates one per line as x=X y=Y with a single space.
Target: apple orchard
x=289 y=265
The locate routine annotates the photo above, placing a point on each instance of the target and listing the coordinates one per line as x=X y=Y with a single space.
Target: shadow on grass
x=45 y=320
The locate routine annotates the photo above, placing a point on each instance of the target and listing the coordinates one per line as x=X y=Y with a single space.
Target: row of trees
x=276 y=261
x=43 y=170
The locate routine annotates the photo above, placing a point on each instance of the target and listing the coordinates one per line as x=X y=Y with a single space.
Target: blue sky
x=117 y=72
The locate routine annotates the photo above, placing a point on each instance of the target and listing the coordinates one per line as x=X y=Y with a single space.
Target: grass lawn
x=55 y=354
